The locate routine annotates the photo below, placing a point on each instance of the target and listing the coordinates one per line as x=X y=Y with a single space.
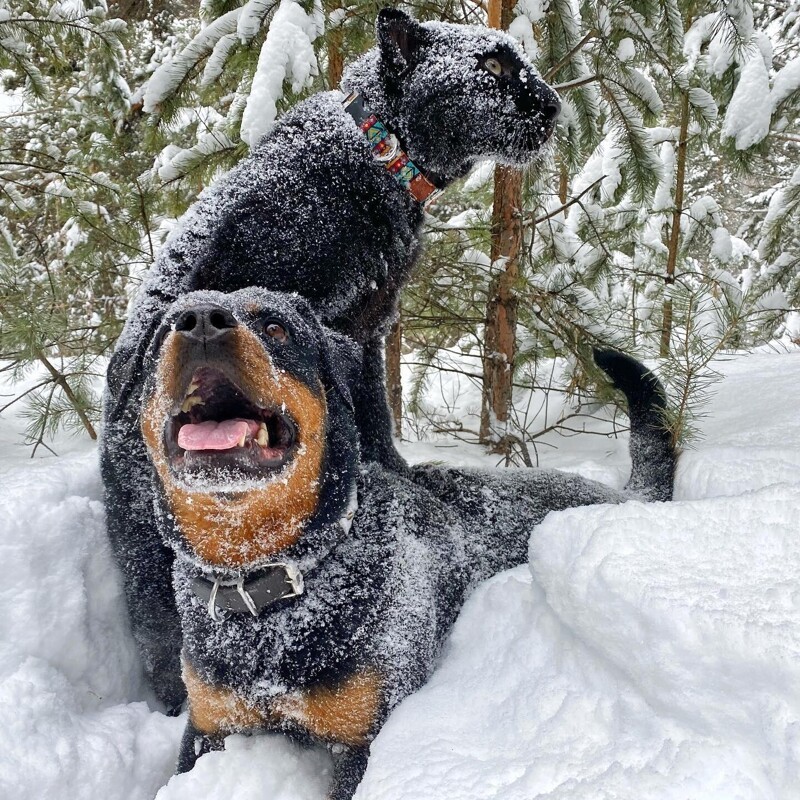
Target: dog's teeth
x=192 y=387
x=243 y=439
x=263 y=436
x=190 y=402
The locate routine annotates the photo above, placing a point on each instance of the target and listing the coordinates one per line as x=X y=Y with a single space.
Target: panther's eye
x=276 y=331
x=494 y=66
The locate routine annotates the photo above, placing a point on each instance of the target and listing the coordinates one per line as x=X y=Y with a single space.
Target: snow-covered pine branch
x=286 y=55
x=171 y=75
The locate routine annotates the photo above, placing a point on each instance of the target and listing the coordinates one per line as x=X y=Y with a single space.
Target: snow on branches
x=287 y=54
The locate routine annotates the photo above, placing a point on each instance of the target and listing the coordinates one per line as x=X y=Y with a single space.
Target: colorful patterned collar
x=387 y=150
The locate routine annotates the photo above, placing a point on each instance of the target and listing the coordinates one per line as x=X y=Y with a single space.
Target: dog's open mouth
x=217 y=432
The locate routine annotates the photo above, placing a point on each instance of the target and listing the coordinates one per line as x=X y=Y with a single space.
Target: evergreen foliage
x=662 y=206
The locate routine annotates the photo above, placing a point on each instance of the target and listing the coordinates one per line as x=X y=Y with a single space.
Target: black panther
x=328 y=205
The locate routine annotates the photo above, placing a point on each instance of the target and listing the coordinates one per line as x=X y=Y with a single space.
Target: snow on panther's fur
x=311 y=211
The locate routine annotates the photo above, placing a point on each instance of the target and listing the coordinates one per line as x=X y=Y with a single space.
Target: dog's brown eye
x=494 y=66
x=276 y=331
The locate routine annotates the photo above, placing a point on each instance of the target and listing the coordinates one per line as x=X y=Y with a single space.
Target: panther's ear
x=399 y=35
x=342 y=360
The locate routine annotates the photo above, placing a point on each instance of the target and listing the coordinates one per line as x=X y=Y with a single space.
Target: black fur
x=651 y=445
x=311 y=211
x=384 y=595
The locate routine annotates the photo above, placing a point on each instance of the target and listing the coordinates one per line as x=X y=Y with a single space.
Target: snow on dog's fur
x=312 y=211
x=383 y=578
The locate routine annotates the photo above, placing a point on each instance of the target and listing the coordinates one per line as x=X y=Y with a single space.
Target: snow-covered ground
x=647 y=651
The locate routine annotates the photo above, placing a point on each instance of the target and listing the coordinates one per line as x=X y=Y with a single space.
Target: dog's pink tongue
x=213 y=435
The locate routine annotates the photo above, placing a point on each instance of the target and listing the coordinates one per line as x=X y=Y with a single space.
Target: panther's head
x=248 y=421
x=454 y=94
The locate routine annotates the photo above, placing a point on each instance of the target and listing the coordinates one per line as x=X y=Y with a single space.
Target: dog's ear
x=399 y=35
x=125 y=370
x=342 y=360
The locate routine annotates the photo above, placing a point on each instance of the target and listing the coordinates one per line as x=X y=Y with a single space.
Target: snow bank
x=648 y=650
x=655 y=652
x=56 y=574
x=270 y=767
x=523 y=708
x=697 y=605
x=68 y=667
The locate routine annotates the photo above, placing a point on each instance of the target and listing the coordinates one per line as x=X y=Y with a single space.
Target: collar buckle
x=272 y=582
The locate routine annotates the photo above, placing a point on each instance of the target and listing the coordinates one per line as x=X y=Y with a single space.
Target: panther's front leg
x=373 y=417
x=145 y=563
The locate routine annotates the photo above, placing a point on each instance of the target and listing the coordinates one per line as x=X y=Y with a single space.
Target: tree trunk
x=495 y=14
x=335 y=50
x=394 y=385
x=501 y=310
x=675 y=231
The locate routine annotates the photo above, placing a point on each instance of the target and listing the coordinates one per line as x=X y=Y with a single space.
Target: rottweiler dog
x=315 y=590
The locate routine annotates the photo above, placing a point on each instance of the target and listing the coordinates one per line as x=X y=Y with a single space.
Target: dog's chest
x=307 y=665
x=379 y=605
x=340 y=710
x=290 y=645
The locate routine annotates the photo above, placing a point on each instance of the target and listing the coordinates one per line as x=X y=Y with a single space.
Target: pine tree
x=663 y=221
x=63 y=238
x=774 y=205
x=622 y=244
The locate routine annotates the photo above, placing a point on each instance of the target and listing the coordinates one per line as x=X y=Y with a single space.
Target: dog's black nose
x=204 y=323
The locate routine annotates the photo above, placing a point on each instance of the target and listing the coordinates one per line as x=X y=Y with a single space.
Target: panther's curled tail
x=651 y=446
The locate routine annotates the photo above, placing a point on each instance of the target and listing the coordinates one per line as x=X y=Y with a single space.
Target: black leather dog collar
x=268 y=585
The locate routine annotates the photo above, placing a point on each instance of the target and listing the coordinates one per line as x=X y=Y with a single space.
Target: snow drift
x=646 y=651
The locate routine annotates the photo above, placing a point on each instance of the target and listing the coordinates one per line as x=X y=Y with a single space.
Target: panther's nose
x=551 y=107
x=538 y=98
x=205 y=323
